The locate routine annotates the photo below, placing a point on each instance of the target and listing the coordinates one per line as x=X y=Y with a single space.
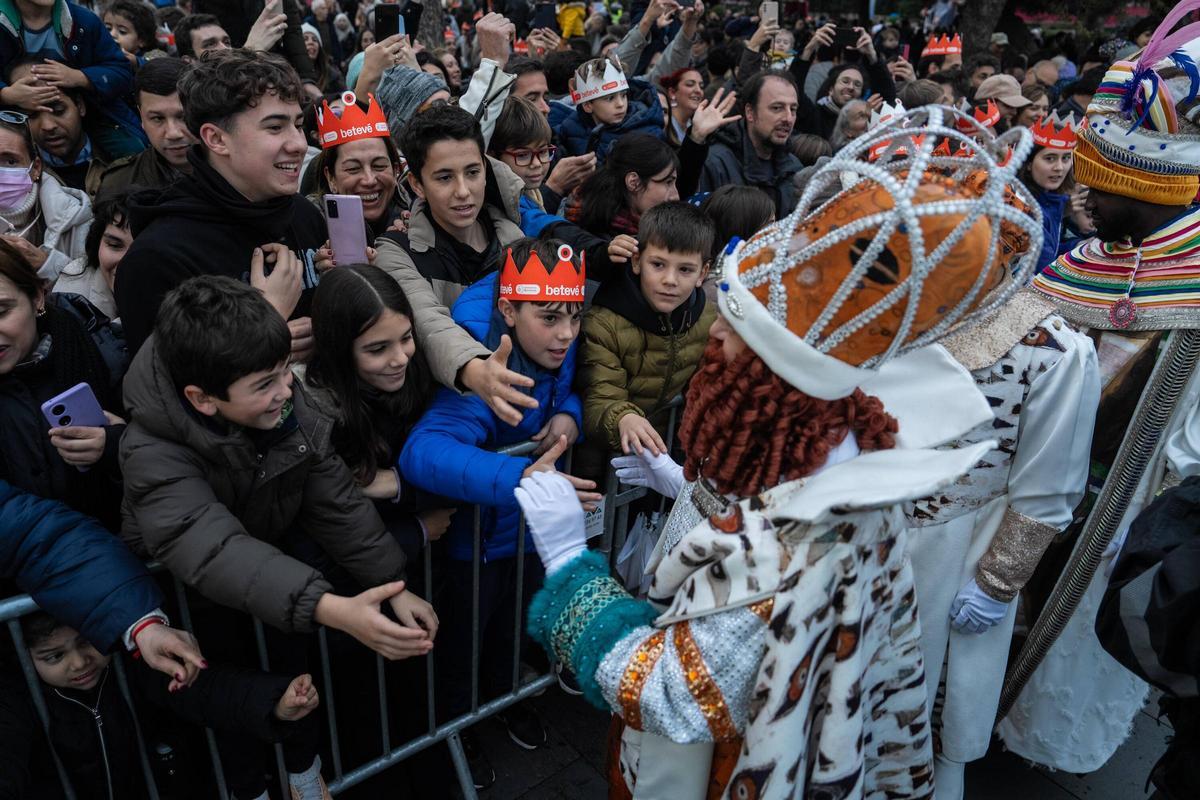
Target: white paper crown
x=803 y=358
x=886 y=113
x=590 y=86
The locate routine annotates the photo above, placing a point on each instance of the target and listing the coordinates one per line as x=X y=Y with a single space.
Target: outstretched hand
x=555 y=519
x=172 y=652
x=496 y=384
x=584 y=489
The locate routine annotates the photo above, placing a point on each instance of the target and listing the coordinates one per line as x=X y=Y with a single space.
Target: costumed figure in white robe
x=779 y=656
x=1135 y=289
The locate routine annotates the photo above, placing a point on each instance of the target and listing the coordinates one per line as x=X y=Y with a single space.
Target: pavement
x=571 y=765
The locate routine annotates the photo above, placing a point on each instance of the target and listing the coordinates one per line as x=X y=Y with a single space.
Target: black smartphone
x=387 y=21
x=544 y=17
x=845 y=38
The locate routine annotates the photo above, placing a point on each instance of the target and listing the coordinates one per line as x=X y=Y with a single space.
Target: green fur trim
x=585 y=638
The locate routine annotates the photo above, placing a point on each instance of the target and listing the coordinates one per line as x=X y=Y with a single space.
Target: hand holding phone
x=388 y=21
x=77 y=426
x=845 y=38
x=544 y=16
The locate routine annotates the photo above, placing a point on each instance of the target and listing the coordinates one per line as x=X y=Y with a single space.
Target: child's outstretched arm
x=298 y=700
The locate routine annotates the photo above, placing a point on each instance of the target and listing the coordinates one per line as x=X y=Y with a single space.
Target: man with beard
x=778 y=655
x=754 y=151
x=1135 y=287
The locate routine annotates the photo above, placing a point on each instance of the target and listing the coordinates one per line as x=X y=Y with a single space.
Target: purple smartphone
x=347 y=230
x=76 y=406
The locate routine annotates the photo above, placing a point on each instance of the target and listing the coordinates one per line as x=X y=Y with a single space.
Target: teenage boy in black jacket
x=244 y=107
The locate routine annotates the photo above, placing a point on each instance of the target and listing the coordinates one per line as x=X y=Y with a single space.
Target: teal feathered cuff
x=580 y=613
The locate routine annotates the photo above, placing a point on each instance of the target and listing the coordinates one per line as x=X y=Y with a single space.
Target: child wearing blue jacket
x=533 y=306
x=607 y=106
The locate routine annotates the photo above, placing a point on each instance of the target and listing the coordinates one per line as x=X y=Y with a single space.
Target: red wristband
x=146 y=623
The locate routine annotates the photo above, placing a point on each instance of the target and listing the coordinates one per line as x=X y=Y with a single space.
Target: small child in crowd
x=644 y=335
x=608 y=106
x=532 y=308
x=95 y=732
x=131 y=24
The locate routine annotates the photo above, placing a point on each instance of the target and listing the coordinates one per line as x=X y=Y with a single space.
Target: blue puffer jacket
x=578 y=133
x=76 y=570
x=88 y=47
x=449 y=452
x=1054 y=207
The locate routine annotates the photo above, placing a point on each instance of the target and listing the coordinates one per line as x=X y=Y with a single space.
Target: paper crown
x=565 y=283
x=353 y=124
x=1055 y=132
x=590 y=86
x=985 y=115
x=886 y=113
x=943 y=46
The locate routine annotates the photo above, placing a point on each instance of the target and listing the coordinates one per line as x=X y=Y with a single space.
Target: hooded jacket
x=201 y=225
x=66 y=215
x=450 y=451
x=428 y=267
x=579 y=133
x=635 y=360
x=203 y=499
x=1054 y=209
x=732 y=159
x=87 y=47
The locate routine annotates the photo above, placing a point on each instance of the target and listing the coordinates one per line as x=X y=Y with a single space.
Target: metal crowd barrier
x=618 y=497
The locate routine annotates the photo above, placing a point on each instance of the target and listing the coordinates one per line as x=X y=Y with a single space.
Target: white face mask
x=15 y=186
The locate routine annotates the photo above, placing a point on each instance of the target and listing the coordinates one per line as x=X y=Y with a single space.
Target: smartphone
x=347 y=229
x=388 y=21
x=904 y=52
x=770 y=11
x=845 y=38
x=544 y=17
x=76 y=406
x=410 y=16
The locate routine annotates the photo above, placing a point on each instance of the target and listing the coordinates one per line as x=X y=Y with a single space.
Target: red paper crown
x=943 y=46
x=878 y=150
x=987 y=117
x=1054 y=132
x=565 y=283
x=353 y=124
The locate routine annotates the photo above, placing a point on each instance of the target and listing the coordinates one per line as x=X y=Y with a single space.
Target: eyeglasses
x=524 y=158
x=13 y=117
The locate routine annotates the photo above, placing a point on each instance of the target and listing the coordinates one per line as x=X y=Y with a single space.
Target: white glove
x=555 y=518
x=658 y=473
x=973 y=611
x=1113 y=551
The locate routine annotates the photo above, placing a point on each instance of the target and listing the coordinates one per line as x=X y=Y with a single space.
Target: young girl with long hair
x=368 y=372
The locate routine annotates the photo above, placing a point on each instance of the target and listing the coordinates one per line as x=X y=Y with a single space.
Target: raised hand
x=30 y=93
x=822 y=38
x=713 y=114
x=496 y=384
x=268 y=29
x=638 y=435
x=558 y=426
x=360 y=617
x=172 y=652
x=282 y=287
x=622 y=248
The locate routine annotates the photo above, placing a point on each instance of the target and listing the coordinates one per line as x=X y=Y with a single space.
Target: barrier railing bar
x=461 y=768
x=430 y=701
x=475 y=563
x=185 y=619
x=144 y=760
x=260 y=637
x=516 y=666
x=327 y=701
x=385 y=738
x=360 y=774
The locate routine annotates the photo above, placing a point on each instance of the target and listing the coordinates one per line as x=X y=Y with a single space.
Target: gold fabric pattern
x=763 y=608
x=1012 y=556
x=703 y=688
x=634 y=680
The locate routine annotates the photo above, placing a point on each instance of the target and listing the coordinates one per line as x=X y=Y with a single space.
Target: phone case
x=544 y=17
x=76 y=406
x=347 y=230
x=388 y=21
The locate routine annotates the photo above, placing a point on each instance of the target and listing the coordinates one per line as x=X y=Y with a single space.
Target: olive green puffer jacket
x=634 y=360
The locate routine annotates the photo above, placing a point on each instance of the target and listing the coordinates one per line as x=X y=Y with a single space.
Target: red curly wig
x=746 y=430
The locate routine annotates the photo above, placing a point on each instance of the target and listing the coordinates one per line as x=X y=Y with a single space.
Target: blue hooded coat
x=578 y=132
x=450 y=451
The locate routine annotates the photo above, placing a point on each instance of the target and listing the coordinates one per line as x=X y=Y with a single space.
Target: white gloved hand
x=658 y=473
x=973 y=611
x=555 y=518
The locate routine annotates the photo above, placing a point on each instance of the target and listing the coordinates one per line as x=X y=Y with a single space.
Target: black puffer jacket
x=214 y=503
x=77 y=344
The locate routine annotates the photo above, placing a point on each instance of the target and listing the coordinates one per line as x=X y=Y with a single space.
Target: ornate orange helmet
x=888 y=265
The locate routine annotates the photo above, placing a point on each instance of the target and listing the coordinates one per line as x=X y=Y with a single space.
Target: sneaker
x=482 y=773
x=566 y=681
x=524 y=726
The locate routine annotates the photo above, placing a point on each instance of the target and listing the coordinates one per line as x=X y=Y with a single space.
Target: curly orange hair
x=746 y=430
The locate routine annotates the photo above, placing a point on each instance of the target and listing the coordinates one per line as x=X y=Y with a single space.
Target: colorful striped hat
x=1141 y=138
